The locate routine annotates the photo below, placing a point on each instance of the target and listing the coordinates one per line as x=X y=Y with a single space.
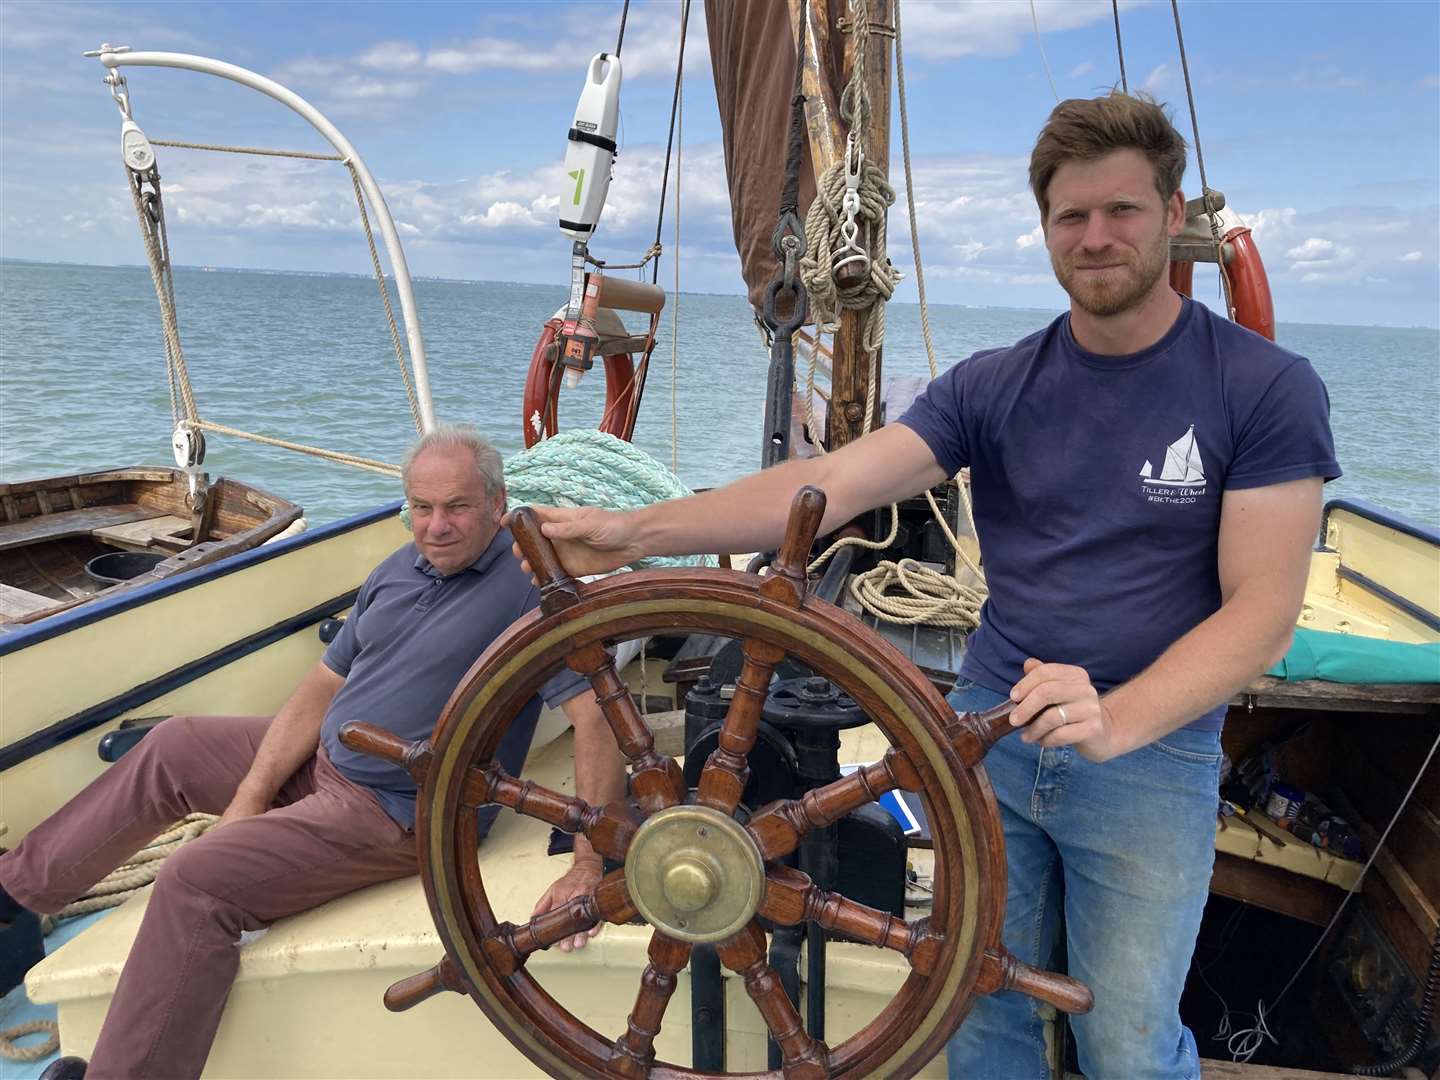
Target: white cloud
x=1082 y=69
x=945 y=29
x=1412 y=256
x=1033 y=238
x=1311 y=250
x=391 y=56
x=1158 y=78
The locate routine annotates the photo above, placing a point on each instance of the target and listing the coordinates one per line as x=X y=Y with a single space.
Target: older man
x=1147 y=490
x=303 y=819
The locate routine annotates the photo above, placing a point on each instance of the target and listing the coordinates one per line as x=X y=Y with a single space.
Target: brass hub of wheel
x=694 y=874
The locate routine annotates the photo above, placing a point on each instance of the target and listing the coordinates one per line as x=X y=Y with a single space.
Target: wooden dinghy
x=66 y=540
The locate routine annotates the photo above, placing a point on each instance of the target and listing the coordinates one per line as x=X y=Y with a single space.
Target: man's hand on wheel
x=588 y=540
x=579 y=880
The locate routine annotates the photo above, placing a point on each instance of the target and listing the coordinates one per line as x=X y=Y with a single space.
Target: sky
x=1319 y=121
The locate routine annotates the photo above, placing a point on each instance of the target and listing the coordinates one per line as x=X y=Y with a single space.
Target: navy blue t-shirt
x=1098 y=481
x=410 y=638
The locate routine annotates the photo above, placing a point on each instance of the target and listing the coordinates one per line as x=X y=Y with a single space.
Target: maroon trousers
x=324 y=837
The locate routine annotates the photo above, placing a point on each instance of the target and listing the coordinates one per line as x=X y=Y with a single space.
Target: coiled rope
x=36 y=1051
x=823 y=221
x=110 y=891
x=140 y=870
x=585 y=467
x=925 y=595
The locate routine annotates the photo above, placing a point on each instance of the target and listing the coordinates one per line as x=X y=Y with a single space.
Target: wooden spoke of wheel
x=973 y=734
x=1002 y=971
x=791 y=898
x=635 y=1050
x=609 y=828
x=727 y=771
x=508 y=946
x=655 y=779
x=778 y=829
x=413 y=757
x=804 y=1058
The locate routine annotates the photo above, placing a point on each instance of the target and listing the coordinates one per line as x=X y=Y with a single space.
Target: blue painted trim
x=1411 y=608
x=88 y=719
x=86 y=614
x=1382 y=516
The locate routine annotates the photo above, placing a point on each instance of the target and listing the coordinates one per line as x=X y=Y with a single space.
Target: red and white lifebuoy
x=1249 y=287
x=541 y=416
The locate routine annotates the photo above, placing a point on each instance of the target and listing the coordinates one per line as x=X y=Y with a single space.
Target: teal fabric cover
x=1349 y=658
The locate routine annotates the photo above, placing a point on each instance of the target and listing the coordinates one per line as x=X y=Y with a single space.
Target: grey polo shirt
x=408 y=641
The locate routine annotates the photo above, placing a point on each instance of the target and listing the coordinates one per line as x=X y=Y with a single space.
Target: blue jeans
x=1123 y=850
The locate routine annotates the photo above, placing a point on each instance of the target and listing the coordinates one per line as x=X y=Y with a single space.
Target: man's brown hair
x=1083 y=129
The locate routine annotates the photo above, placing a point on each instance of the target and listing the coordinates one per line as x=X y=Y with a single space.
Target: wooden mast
x=828 y=63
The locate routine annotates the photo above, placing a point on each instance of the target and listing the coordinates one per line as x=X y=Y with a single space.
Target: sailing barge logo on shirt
x=1182 y=476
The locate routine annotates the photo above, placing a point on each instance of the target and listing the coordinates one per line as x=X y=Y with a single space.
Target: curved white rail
x=401 y=271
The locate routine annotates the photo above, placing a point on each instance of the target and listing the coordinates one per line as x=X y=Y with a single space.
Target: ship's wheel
x=692 y=869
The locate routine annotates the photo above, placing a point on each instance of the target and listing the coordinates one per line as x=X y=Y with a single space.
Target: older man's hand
x=580 y=880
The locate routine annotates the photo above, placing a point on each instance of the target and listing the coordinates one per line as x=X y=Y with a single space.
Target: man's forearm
x=292 y=736
x=1200 y=671
x=750 y=514
x=747 y=515
x=599 y=768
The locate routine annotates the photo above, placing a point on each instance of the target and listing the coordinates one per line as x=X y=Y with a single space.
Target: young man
x=303 y=819
x=1147 y=484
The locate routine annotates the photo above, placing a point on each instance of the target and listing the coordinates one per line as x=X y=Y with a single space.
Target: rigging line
x=305 y=155
x=1119 y=48
x=1040 y=44
x=675 y=294
x=1200 y=163
x=670 y=142
x=624 y=15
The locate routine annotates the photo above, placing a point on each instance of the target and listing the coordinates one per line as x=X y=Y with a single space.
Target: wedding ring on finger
x=1063 y=718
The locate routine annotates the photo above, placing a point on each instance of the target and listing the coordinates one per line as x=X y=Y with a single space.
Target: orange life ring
x=540 y=419
x=1249 y=287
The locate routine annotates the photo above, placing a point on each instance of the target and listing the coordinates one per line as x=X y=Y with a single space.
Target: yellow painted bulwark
x=66 y=674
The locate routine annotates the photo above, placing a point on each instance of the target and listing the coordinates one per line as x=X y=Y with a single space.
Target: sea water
x=307 y=358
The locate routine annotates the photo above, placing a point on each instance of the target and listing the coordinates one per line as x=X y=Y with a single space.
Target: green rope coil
x=584 y=467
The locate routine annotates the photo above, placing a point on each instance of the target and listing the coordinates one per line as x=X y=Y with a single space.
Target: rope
x=49 y=1028
x=370 y=464
x=261 y=151
x=822 y=229
x=157 y=253
x=675 y=105
x=1119 y=47
x=930 y=597
x=385 y=300
x=1200 y=162
x=624 y=16
x=117 y=886
x=675 y=293
x=584 y=467
x=1040 y=44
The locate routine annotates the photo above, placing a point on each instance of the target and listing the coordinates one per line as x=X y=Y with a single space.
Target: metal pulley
x=135 y=148
x=851 y=264
x=187 y=443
